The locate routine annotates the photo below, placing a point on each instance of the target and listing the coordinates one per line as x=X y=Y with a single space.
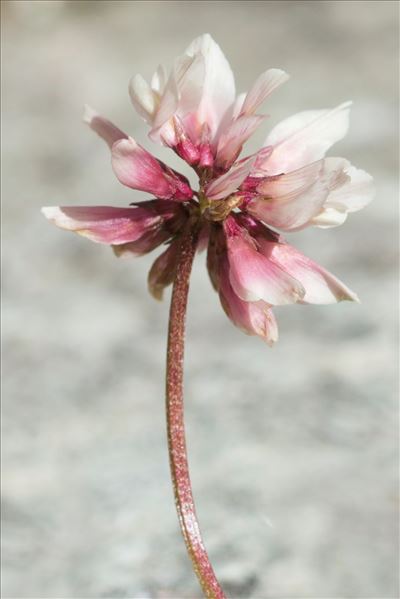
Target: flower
x=241 y=203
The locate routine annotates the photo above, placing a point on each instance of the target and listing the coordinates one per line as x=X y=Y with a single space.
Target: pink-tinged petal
x=138 y=169
x=321 y=287
x=229 y=182
x=304 y=138
x=288 y=183
x=103 y=127
x=254 y=277
x=231 y=141
x=253 y=318
x=104 y=224
x=162 y=272
x=217 y=86
x=295 y=209
x=262 y=88
x=352 y=196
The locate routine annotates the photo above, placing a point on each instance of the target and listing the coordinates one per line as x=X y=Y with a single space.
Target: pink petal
x=231 y=141
x=253 y=318
x=162 y=272
x=300 y=203
x=103 y=127
x=321 y=287
x=104 y=224
x=254 y=277
x=305 y=137
x=262 y=88
x=229 y=182
x=138 y=169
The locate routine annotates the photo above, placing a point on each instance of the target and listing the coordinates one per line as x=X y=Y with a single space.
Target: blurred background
x=293 y=450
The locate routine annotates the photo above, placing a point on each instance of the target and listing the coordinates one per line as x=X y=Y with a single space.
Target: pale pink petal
x=295 y=209
x=253 y=318
x=231 y=141
x=162 y=272
x=321 y=287
x=254 y=277
x=228 y=182
x=103 y=127
x=288 y=183
x=104 y=224
x=304 y=138
x=138 y=169
x=218 y=85
x=262 y=88
x=143 y=98
x=352 y=196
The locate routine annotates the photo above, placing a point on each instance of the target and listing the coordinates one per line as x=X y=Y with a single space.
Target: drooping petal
x=162 y=272
x=138 y=169
x=102 y=126
x=254 y=277
x=227 y=183
x=354 y=195
x=303 y=199
x=304 y=138
x=231 y=141
x=321 y=287
x=104 y=224
x=145 y=244
x=253 y=318
x=266 y=83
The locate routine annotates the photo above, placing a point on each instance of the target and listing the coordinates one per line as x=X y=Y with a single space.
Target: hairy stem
x=175 y=421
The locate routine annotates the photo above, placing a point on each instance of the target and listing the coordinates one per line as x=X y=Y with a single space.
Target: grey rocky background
x=294 y=450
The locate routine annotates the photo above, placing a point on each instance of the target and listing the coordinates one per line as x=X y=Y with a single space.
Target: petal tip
x=88 y=114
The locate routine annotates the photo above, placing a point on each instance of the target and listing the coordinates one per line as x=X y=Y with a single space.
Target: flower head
x=240 y=203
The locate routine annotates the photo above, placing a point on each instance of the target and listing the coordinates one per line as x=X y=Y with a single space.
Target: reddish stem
x=175 y=421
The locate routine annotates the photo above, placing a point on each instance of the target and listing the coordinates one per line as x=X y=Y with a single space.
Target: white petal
x=218 y=92
x=143 y=98
x=352 y=196
x=305 y=137
x=294 y=210
x=237 y=107
x=232 y=140
x=262 y=88
x=159 y=80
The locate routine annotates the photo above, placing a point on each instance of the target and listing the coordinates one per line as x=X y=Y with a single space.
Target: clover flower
x=237 y=213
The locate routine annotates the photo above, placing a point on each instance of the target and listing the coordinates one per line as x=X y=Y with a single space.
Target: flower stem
x=175 y=421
